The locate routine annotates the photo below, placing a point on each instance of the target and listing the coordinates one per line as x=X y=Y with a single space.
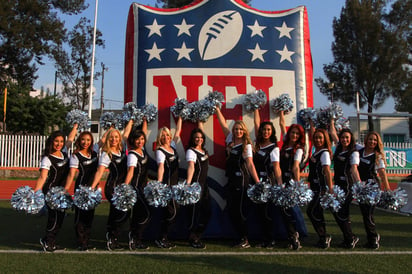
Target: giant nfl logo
x=216 y=45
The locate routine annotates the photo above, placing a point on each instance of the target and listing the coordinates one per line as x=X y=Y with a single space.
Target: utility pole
x=104 y=68
x=358 y=115
x=55 y=83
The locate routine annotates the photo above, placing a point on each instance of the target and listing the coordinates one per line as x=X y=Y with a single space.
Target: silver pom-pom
x=342 y=123
x=179 y=106
x=108 y=120
x=124 y=197
x=87 y=198
x=282 y=103
x=283 y=196
x=58 y=198
x=393 y=199
x=80 y=118
x=333 y=201
x=185 y=194
x=254 y=100
x=25 y=199
x=132 y=112
x=260 y=193
x=150 y=112
x=367 y=192
x=157 y=194
x=304 y=115
x=216 y=98
x=301 y=192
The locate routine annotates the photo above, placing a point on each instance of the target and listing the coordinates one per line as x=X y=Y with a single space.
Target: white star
x=257 y=53
x=154 y=52
x=284 y=31
x=184 y=28
x=184 y=52
x=285 y=54
x=154 y=28
x=256 y=29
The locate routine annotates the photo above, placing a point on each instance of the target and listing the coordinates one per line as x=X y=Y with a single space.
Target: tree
x=29 y=31
x=400 y=21
x=181 y=3
x=74 y=69
x=26 y=114
x=367 y=57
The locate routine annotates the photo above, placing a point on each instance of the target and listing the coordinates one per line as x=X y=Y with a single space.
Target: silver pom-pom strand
x=87 y=198
x=341 y=123
x=157 y=194
x=185 y=194
x=25 y=199
x=393 y=200
x=132 y=112
x=58 y=198
x=260 y=193
x=283 y=196
x=282 y=103
x=253 y=101
x=150 y=112
x=124 y=197
x=367 y=192
x=179 y=106
x=333 y=201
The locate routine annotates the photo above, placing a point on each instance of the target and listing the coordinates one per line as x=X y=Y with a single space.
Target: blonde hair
x=246 y=137
x=379 y=152
x=159 y=135
x=106 y=146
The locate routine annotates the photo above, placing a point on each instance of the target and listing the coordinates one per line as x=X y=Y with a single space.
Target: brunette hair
x=78 y=145
x=48 y=148
x=272 y=138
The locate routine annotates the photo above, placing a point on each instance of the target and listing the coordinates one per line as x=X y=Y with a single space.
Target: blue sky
x=111 y=21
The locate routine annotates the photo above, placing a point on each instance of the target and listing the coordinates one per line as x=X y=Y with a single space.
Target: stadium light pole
x=92 y=68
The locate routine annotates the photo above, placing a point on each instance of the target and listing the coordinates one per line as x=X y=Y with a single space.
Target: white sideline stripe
x=213 y=253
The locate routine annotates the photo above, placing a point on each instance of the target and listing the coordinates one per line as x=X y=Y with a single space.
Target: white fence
x=26 y=151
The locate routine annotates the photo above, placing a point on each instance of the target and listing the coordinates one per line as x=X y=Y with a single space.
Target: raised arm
x=144 y=126
x=178 y=130
x=71 y=136
x=222 y=122
x=332 y=131
x=256 y=120
x=127 y=129
x=282 y=123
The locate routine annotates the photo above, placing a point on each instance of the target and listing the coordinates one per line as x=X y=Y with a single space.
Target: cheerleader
x=291 y=159
x=84 y=159
x=198 y=164
x=266 y=161
x=168 y=173
x=113 y=156
x=345 y=165
x=239 y=168
x=372 y=163
x=54 y=168
x=137 y=161
x=319 y=178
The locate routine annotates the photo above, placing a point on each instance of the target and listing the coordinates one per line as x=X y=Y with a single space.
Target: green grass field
x=20 y=250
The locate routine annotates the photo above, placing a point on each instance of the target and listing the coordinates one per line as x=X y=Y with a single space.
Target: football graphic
x=220 y=34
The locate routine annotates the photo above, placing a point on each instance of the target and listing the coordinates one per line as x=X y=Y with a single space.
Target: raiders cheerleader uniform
x=141 y=212
x=170 y=178
x=263 y=160
x=318 y=186
x=58 y=170
x=199 y=212
x=238 y=182
x=117 y=165
x=367 y=171
x=83 y=219
x=287 y=158
x=342 y=162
